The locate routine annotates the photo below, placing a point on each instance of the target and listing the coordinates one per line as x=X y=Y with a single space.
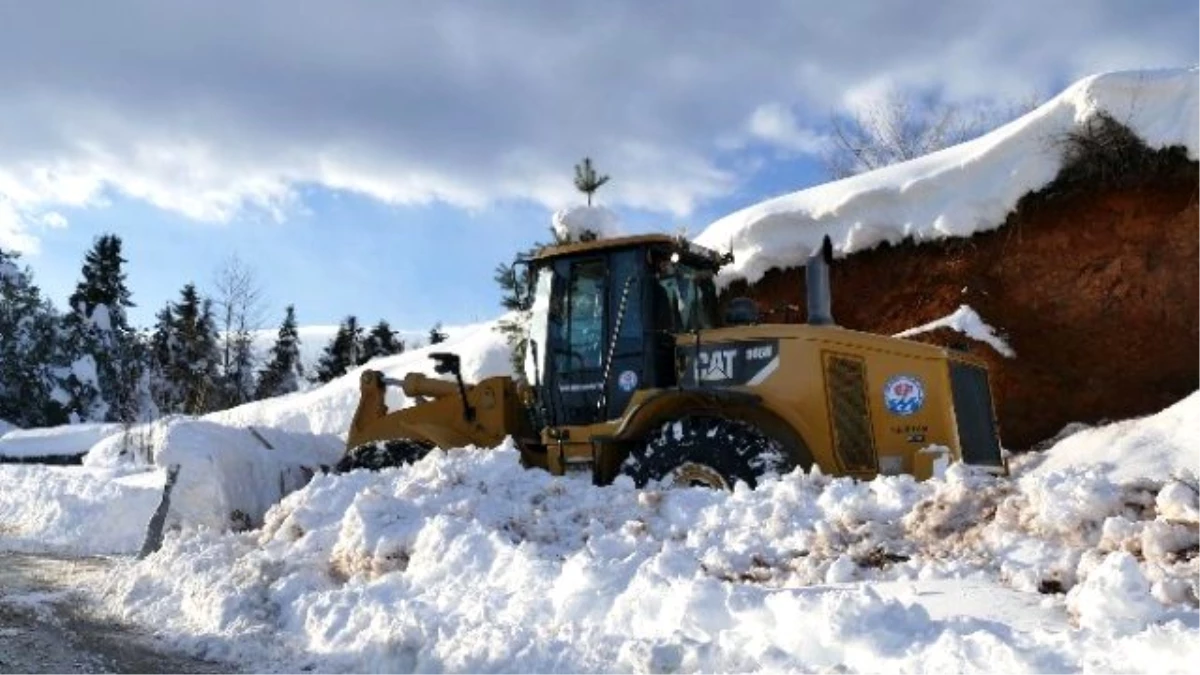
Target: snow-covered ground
x=6 y=426
x=960 y=190
x=467 y=562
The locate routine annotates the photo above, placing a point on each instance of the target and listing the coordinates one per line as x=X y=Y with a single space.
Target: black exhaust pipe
x=820 y=304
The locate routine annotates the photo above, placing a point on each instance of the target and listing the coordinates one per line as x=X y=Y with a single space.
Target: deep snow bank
x=328 y=409
x=466 y=562
x=1155 y=447
x=76 y=510
x=228 y=476
x=68 y=439
x=961 y=190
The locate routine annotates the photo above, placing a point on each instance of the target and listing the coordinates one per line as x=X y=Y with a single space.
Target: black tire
x=707 y=450
x=379 y=455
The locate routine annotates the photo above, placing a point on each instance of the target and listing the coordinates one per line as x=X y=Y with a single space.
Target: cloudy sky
x=381 y=158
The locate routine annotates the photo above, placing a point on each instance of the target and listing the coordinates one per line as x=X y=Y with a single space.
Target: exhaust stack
x=820 y=312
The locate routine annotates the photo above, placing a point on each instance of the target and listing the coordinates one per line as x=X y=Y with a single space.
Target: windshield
x=691 y=297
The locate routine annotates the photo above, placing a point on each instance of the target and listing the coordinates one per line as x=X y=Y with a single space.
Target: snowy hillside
x=961 y=190
x=315 y=337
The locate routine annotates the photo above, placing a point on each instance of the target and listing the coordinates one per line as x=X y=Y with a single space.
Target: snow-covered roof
x=961 y=190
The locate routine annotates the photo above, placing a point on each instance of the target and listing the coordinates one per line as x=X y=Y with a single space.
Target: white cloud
x=206 y=110
x=775 y=124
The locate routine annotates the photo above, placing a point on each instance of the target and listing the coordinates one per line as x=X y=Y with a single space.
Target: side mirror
x=446 y=363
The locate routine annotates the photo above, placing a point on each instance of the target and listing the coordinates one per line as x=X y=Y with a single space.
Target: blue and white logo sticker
x=904 y=395
x=627 y=381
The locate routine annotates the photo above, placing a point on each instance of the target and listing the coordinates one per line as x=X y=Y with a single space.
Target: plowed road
x=45 y=628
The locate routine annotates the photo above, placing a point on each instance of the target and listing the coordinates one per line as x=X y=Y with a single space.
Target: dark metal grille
x=845 y=382
x=973 y=412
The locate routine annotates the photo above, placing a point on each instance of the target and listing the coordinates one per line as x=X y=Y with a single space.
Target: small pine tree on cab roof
x=587 y=180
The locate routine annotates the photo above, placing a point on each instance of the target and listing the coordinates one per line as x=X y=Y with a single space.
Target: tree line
x=88 y=364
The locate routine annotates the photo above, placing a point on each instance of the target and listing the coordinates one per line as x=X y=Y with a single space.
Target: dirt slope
x=1095 y=290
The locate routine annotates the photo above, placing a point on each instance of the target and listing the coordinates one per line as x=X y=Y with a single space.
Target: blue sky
x=381 y=158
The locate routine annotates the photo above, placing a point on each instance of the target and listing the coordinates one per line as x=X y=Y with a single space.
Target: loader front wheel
x=707 y=451
x=379 y=455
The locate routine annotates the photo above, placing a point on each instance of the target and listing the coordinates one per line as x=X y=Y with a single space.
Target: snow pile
x=467 y=562
x=69 y=439
x=572 y=223
x=968 y=322
x=228 y=477
x=328 y=409
x=6 y=426
x=1161 y=445
x=961 y=190
x=76 y=510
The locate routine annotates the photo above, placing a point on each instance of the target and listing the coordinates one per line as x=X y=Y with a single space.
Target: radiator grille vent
x=845 y=382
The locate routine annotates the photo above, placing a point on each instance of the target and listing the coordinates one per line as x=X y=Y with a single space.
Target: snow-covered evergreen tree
x=381 y=341
x=342 y=353
x=284 y=371
x=186 y=354
x=100 y=360
x=163 y=390
x=28 y=330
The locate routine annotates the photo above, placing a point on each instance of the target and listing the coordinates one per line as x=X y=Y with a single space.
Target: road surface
x=45 y=628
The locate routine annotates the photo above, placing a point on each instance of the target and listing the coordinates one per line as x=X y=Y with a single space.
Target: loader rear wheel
x=707 y=451
x=378 y=455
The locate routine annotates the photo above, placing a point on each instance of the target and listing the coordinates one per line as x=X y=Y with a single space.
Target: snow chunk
x=101 y=318
x=76 y=510
x=968 y=322
x=1115 y=598
x=572 y=222
x=961 y=190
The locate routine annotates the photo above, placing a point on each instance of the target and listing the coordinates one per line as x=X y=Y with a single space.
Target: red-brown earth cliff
x=1095 y=289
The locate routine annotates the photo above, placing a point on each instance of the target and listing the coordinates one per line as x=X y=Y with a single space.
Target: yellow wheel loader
x=631 y=371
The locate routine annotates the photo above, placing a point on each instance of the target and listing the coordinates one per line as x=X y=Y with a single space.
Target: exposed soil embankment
x=1095 y=290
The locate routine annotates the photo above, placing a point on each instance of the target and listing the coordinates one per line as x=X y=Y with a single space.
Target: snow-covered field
x=1084 y=559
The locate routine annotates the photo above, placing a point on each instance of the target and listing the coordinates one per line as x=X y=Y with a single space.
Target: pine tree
x=344 y=352
x=163 y=349
x=28 y=330
x=381 y=341
x=284 y=371
x=193 y=369
x=101 y=357
x=586 y=179
x=436 y=334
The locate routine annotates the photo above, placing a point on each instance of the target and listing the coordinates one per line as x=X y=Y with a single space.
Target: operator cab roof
x=688 y=251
